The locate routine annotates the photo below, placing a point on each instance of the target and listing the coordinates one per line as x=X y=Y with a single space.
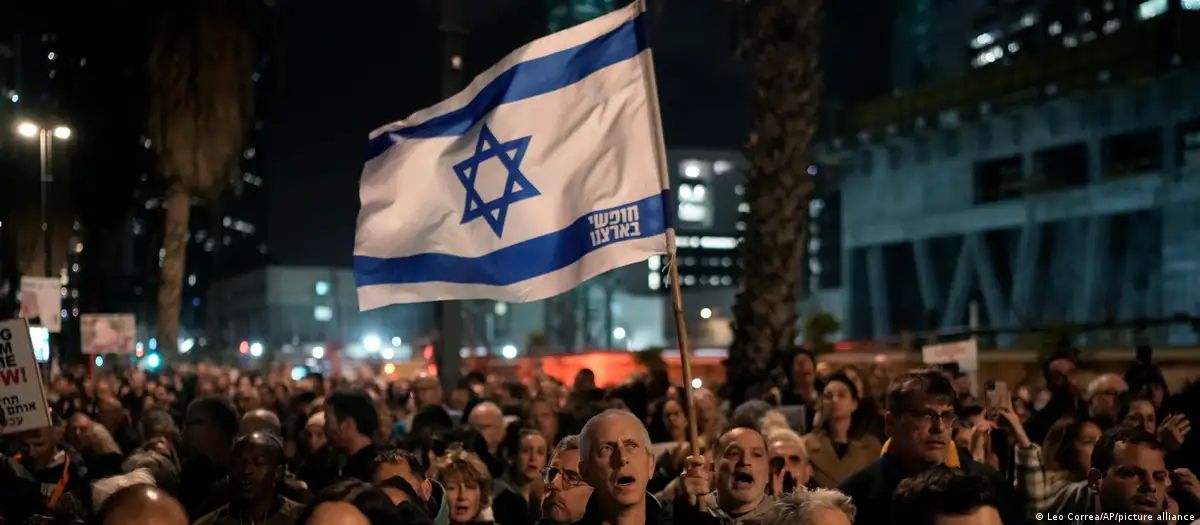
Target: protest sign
x=22 y=398
x=108 y=333
x=965 y=353
x=41 y=302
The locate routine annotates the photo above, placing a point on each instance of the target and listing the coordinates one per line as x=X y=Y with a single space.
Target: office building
x=1005 y=30
x=1042 y=195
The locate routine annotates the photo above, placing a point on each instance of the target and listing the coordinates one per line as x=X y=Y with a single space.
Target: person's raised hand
x=1007 y=418
x=697 y=479
x=1185 y=479
x=1173 y=430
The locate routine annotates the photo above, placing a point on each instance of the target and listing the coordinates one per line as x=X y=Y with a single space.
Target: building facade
x=1074 y=203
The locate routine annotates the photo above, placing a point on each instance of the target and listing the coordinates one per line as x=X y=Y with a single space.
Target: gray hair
x=103 y=488
x=585 y=435
x=797 y=508
x=570 y=442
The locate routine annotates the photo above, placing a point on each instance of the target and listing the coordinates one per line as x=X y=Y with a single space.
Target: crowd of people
x=830 y=445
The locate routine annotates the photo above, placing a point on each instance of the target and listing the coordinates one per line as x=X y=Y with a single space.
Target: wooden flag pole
x=684 y=351
x=660 y=148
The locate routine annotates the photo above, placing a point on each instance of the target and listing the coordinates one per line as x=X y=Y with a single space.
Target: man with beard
x=741 y=482
x=616 y=460
x=256 y=474
x=350 y=424
x=1103 y=399
x=567 y=493
x=1129 y=477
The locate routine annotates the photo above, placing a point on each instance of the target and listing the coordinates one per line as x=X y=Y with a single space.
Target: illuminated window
x=982 y=40
x=1152 y=8
x=322 y=313
x=693 y=169
x=694 y=204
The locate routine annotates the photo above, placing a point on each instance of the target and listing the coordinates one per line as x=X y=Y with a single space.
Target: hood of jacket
x=438 y=508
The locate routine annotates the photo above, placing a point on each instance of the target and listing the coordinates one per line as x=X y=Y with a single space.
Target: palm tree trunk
x=781 y=40
x=170 y=286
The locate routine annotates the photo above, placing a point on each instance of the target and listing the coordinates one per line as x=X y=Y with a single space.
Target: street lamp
x=46 y=138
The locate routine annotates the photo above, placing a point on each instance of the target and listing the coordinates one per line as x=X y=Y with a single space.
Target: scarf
x=951 y=455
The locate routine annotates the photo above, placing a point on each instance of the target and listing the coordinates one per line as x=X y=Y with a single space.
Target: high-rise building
x=1057 y=188
x=1005 y=30
x=926 y=40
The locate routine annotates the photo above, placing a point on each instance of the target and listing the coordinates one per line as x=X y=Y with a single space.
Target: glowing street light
x=46 y=138
x=256 y=349
x=27 y=129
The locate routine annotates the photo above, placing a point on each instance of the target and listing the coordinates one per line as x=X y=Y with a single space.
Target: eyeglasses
x=927 y=417
x=571 y=478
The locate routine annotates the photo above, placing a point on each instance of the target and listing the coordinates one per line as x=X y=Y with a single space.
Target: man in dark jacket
x=615 y=459
x=920 y=420
x=60 y=469
x=22 y=497
x=1064 y=395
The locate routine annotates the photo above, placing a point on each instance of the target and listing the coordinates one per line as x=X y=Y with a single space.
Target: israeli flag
x=546 y=171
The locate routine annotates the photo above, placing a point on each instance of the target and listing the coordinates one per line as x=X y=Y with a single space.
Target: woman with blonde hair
x=467 y=483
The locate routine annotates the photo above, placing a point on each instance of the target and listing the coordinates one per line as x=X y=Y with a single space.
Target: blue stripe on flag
x=526 y=80
x=511 y=264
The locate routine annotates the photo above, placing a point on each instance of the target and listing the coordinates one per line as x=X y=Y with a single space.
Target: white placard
x=108 y=333
x=965 y=353
x=22 y=398
x=41 y=302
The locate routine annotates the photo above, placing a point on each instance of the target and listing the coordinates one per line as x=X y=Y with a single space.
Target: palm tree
x=781 y=43
x=201 y=101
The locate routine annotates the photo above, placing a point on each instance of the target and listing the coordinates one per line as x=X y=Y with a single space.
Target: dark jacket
x=684 y=512
x=321 y=468
x=656 y=513
x=509 y=506
x=1061 y=404
x=361 y=464
x=22 y=494
x=70 y=471
x=871 y=490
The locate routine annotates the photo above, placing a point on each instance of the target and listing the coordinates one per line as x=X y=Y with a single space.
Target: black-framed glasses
x=571 y=478
x=927 y=417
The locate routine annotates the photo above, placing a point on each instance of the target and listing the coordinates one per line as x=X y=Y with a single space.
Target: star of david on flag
x=439 y=221
x=516 y=188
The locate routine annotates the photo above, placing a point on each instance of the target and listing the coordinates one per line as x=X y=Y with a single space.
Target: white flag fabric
x=541 y=174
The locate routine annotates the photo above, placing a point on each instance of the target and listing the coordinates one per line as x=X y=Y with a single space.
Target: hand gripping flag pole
x=685 y=352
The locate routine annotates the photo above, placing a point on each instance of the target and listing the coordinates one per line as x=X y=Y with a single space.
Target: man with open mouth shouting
x=742 y=475
x=616 y=460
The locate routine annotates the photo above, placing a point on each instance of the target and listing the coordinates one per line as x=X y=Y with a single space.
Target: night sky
x=354 y=67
